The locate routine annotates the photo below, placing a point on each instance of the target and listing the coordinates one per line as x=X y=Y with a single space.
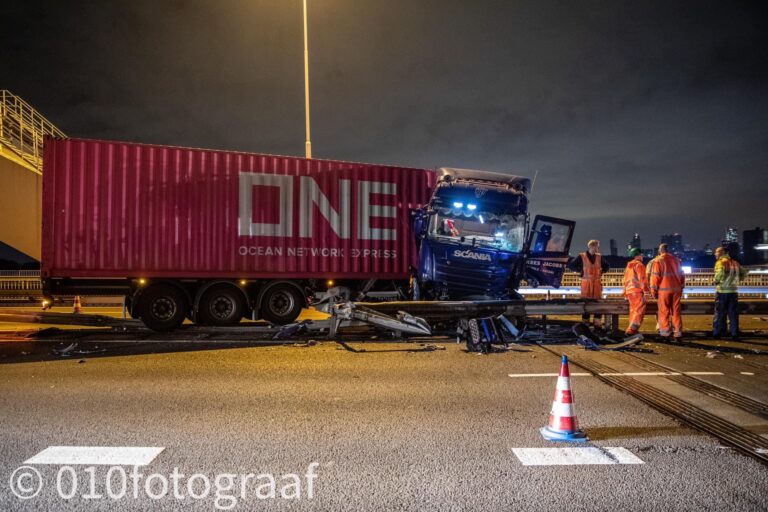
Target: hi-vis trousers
x=670 y=305
x=637 y=304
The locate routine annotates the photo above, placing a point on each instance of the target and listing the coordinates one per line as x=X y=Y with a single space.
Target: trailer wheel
x=163 y=307
x=281 y=304
x=221 y=306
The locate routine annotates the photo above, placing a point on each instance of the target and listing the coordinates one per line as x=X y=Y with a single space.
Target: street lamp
x=308 y=145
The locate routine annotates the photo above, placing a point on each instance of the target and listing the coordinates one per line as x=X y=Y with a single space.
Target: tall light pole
x=308 y=145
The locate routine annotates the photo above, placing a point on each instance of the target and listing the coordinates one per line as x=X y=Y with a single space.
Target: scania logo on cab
x=471 y=255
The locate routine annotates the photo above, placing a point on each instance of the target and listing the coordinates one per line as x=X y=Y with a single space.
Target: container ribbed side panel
x=114 y=209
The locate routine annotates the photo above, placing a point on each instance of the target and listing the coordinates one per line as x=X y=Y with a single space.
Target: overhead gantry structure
x=22 y=131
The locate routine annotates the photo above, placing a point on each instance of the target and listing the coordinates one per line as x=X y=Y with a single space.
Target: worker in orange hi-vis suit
x=591 y=266
x=635 y=290
x=667 y=283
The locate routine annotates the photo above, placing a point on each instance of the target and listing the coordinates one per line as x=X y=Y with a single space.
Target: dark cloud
x=638 y=116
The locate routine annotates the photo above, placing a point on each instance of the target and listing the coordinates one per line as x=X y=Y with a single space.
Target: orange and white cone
x=563 y=425
x=77 y=307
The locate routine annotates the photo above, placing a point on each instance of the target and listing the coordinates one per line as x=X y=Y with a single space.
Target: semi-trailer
x=215 y=236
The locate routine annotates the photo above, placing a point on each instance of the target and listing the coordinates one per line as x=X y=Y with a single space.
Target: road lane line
x=97 y=455
x=548 y=375
x=638 y=374
x=746 y=373
x=574 y=456
x=621 y=374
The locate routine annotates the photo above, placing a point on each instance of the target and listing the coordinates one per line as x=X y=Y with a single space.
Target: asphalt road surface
x=377 y=426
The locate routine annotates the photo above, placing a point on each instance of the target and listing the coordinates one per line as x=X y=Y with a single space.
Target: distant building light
x=761 y=247
x=687 y=269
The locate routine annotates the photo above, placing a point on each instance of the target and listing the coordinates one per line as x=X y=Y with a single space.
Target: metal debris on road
x=63 y=352
x=309 y=343
x=289 y=330
x=348 y=313
x=482 y=334
x=431 y=346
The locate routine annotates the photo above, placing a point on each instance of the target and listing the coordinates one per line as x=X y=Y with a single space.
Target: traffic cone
x=563 y=425
x=77 y=307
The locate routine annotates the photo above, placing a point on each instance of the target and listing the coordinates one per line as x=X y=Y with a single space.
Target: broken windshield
x=504 y=232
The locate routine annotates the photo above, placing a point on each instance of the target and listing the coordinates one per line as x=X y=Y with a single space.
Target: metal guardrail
x=22 y=129
x=20 y=273
x=697 y=292
x=697 y=278
x=697 y=284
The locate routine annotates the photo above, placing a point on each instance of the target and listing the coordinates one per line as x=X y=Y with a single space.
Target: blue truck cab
x=476 y=241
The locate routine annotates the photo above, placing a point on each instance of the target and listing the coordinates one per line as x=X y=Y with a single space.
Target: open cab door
x=548 y=245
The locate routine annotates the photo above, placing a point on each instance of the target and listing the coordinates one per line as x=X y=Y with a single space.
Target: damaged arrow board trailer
x=215 y=236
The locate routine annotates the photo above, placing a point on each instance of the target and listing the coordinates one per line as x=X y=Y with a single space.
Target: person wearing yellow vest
x=728 y=273
x=591 y=266
x=635 y=290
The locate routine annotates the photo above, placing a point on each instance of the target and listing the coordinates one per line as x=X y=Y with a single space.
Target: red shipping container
x=116 y=209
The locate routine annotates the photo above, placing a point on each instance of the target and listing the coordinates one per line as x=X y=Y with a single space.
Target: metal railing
x=699 y=283
x=22 y=130
x=20 y=273
x=20 y=284
x=697 y=278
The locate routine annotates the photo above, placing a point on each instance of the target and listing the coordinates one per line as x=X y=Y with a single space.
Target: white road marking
x=746 y=373
x=638 y=374
x=548 y=375
x=97 y=455
x=574 y=456
x=621 y=374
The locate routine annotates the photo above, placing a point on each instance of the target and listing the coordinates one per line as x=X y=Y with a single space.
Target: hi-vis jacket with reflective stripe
x=591 y=270
x=666 y=274
x=635 y=278
x=728 y=273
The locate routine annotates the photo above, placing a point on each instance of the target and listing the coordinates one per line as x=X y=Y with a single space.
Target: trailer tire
x=281 y=304
x=163 y=307
x=221 y=306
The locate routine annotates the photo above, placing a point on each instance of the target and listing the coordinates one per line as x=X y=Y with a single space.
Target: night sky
x=638 y=116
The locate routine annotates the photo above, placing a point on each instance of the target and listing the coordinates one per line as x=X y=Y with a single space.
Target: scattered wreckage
x=481 y=334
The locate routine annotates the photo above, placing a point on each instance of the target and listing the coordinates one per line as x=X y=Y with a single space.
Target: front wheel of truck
x=163 y=307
